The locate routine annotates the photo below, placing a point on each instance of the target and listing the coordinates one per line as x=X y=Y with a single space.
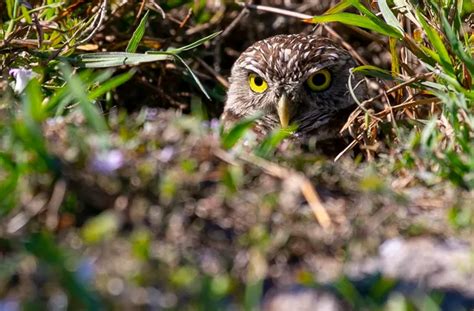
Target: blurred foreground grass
x=109 y=204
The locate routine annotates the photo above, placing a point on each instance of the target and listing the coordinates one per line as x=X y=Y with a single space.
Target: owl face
x=290 y=79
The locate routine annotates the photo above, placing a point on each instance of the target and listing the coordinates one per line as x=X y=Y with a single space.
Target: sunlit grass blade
x=12 y=21
x=406 y=8
x=195 y=78
x=388 y=15
x=438 y=45
x=10 y=4
x=359 y=21
x=452 y=82
x=230 y=138
x=341 y=6
x=394 y=56
x=113 y=59
x=416 y=49
x=373 y=71
x=26 y=15
x=137 y=35
x=192 y=45
x=393 y=32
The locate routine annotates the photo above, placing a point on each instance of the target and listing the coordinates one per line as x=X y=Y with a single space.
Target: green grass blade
x=62 y=97
x=438 y=45
x=78 y=90
x=10 y=4
x=394 y=55
x=406 y=8
x=11 y=24
x=33 y=101
x=457 y=21
x=341 y=6
x=457 y=45
x=229 y=139
x=393 y=32
x=271 y=142
x=137 y=35
x=418 y=50
x=195 y=78
x=359 y=21
x=113 y=59
x=192 y=45
x=29 y=129
x=388 y=15
x=111 y=84
x=373 y=71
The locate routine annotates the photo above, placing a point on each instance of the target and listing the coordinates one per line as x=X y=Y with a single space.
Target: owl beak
x=283 y=110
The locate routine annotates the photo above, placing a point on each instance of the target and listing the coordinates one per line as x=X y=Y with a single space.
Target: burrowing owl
x=300 y=79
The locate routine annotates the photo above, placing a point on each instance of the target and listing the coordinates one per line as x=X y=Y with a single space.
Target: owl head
x=291 y=79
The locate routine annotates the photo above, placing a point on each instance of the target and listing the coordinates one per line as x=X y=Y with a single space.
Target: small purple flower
x=151 y=114
x=85 y=271
x=166 y=154
x=214 y=125
x=22 y=77
x=107 y=162
x=9 y=304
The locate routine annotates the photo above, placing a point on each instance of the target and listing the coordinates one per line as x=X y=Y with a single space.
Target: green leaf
x=229 y=139
x=359 y=21
x=137 y=35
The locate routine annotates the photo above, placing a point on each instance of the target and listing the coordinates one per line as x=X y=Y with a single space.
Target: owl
x=293 y=79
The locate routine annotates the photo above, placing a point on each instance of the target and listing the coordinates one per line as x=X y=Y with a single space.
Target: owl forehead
x=289 y=58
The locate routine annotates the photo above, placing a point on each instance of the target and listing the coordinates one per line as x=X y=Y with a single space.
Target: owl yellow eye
x=319 y=81
x=257 y=84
